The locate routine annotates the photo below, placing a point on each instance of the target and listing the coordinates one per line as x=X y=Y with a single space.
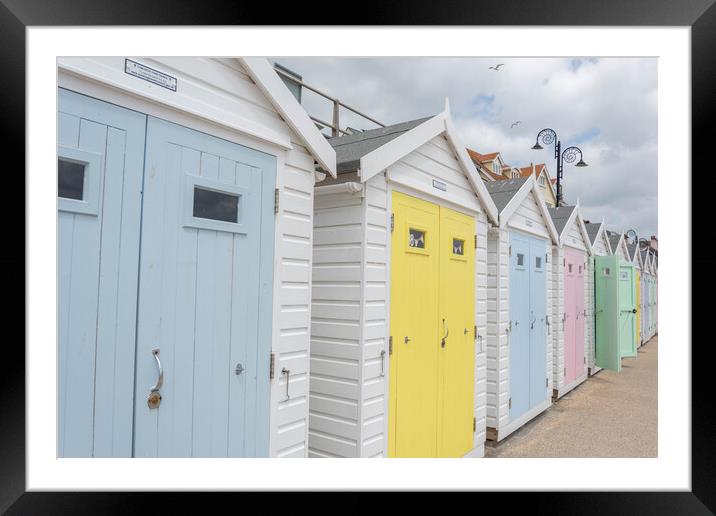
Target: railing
x=337 y=104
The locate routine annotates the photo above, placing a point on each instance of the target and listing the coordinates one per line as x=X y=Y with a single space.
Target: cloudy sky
x=606 y=106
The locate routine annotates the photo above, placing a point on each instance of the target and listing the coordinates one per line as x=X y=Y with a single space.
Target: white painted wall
x=216 y=96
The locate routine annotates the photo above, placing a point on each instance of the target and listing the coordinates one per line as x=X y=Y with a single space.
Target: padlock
x=154 y=399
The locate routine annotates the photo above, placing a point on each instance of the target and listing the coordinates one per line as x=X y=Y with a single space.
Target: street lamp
x=548 y=136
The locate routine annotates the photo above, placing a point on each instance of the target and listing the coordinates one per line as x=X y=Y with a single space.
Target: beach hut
x=600 y=247
x=185 y=200
x=644 y=295
x=636 y=258
x=398 y=362
x=615 y=303
x=569 y=279
x=519 y=361
x=651 y=294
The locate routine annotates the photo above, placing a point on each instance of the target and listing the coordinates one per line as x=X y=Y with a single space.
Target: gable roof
x=389 y=145
x=276 y=91
x=351 y=148
x=560 y=216
x=593 y=230
x=563 y=217
x=614 y=240
x=509 y=193
x=503 y=191
x=632 y=251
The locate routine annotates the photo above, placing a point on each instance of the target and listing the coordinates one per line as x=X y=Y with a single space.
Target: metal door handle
x=382 y=363
x=407 y=339
x=160 y=371
x=447 y=332
x=534 y=319
x=287 y=372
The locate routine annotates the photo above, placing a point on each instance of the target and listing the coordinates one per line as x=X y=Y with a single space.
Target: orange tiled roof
x=526 y=171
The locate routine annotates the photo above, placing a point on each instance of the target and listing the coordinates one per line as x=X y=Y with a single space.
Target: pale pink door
x=569 y=316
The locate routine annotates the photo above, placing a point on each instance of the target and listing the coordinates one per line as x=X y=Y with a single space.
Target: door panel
x=627 y=298
x=457 y=357
x=520 y=296
x=537 y=323
x=102 y=145
x=638 y=308
x=579 y=354
x=607 y=319
x=570 y=316
x=206 y=279
x=414 y=295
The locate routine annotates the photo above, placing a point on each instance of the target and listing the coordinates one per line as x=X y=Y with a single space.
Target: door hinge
x=474 y=425
x=475 y=241
x=546 y=257
x=509 y=403
x=510 y=328
x=565 y=371
x=390 y=345
x=584 y=360
x=392 y=222
x=564 y=261
x=475 y=329
x=546 y=382
x=510 y=250
x=275 y=200
x=272 y=365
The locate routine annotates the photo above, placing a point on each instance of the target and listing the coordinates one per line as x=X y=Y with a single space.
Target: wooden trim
x=294 y=115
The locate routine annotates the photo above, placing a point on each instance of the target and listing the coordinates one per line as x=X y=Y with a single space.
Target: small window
x=606 y=271
x=416 y=238
x=569 y=267
x=624 y=275
x=538 y=262
x=210 y=204
x=580 y=269
x=70 y=179
x=458 y=246
x=520 y=259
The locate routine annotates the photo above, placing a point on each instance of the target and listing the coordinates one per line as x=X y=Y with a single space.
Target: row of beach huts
x=232 y=283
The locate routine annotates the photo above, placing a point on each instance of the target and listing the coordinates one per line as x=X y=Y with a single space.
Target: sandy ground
x=609 y=415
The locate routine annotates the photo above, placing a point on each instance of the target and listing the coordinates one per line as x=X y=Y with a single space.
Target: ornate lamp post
x=548 y=136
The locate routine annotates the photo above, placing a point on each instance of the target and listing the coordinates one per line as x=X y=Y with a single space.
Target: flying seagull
x=497 y=67
x=516 y=123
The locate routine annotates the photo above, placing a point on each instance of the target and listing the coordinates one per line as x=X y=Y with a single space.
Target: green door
x=608 y=351
x=627 y=309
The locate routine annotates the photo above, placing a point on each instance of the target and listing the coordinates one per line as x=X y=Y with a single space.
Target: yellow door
x=431 y=298
x=412 y=415
x=638 y=308
x=456 y=364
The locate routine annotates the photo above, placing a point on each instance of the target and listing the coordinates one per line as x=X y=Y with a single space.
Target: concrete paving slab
x=609 y=415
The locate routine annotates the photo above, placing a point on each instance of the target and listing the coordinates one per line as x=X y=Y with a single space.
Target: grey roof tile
x=351 y=148
x=504 y=190
x=613 y=239
x=593 y=230
x=560 y=215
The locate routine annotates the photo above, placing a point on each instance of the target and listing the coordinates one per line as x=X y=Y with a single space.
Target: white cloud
x=612 y=99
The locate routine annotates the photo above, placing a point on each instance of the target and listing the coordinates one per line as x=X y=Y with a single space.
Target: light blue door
x=520 y=297
x=205 y=291
x=538 y=324
x=100 y=150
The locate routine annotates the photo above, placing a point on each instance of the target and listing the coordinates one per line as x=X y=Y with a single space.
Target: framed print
x=428 y=241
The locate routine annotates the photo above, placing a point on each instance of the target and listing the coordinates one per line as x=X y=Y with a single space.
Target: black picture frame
x=16 y=15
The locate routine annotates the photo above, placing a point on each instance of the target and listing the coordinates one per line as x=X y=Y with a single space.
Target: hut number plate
x=439 y=185
x=150 y=75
